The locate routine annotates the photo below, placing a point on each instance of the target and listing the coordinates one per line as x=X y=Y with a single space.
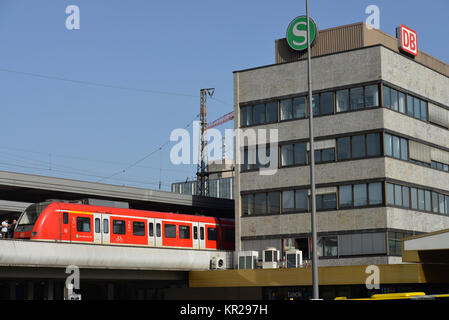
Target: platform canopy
x=432 y=247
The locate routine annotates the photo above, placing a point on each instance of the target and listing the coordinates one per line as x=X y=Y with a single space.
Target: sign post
x=298 y=40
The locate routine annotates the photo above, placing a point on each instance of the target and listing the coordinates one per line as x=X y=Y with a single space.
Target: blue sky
x=167 y=51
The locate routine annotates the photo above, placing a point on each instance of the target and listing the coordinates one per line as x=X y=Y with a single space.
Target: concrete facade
x=372 y=65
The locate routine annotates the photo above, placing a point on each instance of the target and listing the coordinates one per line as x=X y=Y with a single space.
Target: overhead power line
x=103 y=85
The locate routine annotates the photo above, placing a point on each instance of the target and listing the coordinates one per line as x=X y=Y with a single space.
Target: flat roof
x=432 y=247
x=347 y=38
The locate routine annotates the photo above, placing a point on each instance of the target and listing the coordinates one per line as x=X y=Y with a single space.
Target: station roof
x=19 y=189
x=432 y=247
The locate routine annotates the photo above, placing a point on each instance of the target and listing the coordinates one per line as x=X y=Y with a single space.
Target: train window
x=202 y=233
x=151 y=229
x=65 y=217
x=105 y=226
x=158 y=229
x=97 y=225
x=170 y=230
x=82 y=224
x=195 y=232
x=212 y=234
x=118 y=227
x=138 y=228
x=184 y=232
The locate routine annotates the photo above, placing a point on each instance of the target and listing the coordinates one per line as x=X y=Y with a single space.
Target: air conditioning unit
x=248 y=259
x=270 y=258
x=293 y=258
x=217 y=263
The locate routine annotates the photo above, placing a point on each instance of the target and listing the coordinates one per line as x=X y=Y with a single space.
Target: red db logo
x=408 y=40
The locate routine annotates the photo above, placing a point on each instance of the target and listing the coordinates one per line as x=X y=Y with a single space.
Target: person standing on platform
x=11 y=228
x=5 y=228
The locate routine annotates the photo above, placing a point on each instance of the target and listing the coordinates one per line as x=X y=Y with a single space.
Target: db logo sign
x=408 y=39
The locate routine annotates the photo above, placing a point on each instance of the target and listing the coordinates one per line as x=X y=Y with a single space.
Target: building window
x=342 y=99
x=301 y=200
x=358 y=146
x=286 y=109
x=325 y=155
x=356 y=98
x=326 y=201
x=373 y=145
x=272 y=112
x=246 y=116
x=396 y=147
x=440 y=166
x=360 y=195
x=260 y=200
x=259 y=114
x=273 y=201
x=372 y=96
x=327 y=103
x=395 y=242
x=327 y=246
x=293 y=154
x=288 y=201
x=344 y=148
x=287 y=155
x=299 y=107
x=247 y=204
x=345 y=196
x=405 y=104
x=375 y=193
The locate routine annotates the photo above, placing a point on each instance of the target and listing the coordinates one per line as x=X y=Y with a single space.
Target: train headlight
x=34 y=233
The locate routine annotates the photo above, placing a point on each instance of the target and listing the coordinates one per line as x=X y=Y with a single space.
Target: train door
x=202 y=235
x=195 y=237
x=158 y=233
x=98 y=237
x=151 y=233
x=101 y=228
x=105 y=229
x=64 y=231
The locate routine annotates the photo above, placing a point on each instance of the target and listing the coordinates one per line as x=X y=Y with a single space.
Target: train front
x=26 y=225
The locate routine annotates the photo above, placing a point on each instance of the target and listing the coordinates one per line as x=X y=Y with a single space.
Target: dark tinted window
x=212 y=234
x=170 y=231
x=184 y=232
x=118 y=227
x=82 y=224
x=272 y=112
x=344 y=148
x=138 y=228
x=358 y=146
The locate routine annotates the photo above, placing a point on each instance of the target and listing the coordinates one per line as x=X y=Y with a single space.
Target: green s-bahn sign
x=297 y=33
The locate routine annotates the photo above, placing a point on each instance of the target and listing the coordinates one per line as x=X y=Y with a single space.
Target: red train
x=80 y=223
